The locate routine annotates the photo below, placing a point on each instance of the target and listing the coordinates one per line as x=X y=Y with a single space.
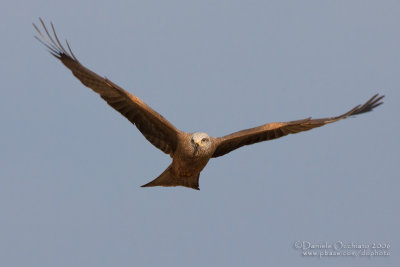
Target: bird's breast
x=188 y=166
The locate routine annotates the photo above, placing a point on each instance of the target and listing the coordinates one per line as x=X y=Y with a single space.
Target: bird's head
x=201 y=144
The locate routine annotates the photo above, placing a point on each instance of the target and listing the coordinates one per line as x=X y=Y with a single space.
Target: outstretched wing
x=275 y=130
x=157 y=130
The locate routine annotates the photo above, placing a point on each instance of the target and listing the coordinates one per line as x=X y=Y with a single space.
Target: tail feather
x=168 y=179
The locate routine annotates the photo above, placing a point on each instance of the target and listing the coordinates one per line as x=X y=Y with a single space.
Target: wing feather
x=157 y=130
x=275 y=130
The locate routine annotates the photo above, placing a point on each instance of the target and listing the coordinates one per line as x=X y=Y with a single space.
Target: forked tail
x=168 y=179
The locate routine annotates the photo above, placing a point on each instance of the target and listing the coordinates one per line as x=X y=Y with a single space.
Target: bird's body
x=190 y=152
x=189 y=159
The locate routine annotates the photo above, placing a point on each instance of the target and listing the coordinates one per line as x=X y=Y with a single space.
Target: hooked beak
x=196 y=147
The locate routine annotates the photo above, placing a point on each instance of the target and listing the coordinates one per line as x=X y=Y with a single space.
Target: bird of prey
x=190 y=152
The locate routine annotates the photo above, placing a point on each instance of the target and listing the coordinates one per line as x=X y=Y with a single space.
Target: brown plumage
x=190 y=152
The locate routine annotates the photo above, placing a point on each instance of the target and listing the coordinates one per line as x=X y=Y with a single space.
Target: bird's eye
x=192 y=140
x=204 y=140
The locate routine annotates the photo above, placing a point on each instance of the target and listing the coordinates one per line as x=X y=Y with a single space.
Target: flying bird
x=190 y=152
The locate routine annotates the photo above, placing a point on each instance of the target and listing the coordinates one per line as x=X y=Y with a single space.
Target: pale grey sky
x=71 y=167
